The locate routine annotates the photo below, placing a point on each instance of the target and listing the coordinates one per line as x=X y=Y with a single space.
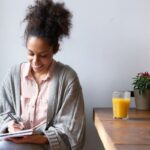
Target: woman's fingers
x=21 y=125
x=14 y=127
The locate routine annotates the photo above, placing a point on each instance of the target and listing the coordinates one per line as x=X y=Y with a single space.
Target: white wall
x=109 y=44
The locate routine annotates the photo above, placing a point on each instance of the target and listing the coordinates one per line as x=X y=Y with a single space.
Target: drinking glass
x=121 y=103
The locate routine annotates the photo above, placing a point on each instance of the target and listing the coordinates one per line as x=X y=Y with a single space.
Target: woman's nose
x=35 y=58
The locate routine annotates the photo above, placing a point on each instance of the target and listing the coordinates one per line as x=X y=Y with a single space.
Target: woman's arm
x=68 y=129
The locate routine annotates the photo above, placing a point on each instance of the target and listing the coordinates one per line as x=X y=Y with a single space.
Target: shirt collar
x=50 y=72
x=27 y=70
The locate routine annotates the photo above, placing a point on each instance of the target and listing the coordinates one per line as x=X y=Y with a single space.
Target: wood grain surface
x=116 y=134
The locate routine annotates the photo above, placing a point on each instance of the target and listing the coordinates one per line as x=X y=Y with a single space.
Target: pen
x=12 y=117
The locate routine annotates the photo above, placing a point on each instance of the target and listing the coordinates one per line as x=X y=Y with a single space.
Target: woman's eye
x=43 y=56
x=31 y=54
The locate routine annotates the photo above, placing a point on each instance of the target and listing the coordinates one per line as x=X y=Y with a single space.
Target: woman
x=44 y=93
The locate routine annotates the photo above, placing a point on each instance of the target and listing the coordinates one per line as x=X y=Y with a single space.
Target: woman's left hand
x=32 y=139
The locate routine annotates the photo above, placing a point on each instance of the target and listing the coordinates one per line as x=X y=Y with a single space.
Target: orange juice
x=120 y=107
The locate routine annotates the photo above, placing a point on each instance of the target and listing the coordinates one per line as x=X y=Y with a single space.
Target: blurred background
x=109 y=44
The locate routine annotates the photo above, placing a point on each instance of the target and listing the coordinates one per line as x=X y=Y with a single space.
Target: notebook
x=16 y=134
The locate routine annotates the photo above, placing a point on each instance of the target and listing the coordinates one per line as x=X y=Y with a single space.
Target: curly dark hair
x=48 y=20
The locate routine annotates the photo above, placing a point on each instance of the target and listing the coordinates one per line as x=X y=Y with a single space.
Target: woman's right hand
x=14 y=127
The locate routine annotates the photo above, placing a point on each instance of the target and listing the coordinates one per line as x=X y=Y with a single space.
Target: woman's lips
x=37 y=67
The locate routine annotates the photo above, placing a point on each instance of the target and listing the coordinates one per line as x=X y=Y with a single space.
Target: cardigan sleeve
x=68 y=129
x=6 y=103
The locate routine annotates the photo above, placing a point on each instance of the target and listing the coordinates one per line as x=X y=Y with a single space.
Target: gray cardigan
x=65 y=126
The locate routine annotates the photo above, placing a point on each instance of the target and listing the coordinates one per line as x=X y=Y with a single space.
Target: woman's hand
x=35 y=139
x=32 y=139
x=14 y=127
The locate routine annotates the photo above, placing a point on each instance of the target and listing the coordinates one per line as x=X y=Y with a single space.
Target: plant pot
x=142 y=101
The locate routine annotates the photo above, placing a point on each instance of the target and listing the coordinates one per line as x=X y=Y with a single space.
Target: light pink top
x=34 y=99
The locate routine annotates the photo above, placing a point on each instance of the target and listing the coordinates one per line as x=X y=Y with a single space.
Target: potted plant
x=141 y=85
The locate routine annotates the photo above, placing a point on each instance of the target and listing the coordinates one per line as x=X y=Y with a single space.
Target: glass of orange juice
x=121 y=103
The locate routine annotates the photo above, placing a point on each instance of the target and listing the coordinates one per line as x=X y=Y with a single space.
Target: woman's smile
x=37 y=67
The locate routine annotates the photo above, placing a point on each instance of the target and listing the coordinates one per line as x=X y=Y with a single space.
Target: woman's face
x=40 y=54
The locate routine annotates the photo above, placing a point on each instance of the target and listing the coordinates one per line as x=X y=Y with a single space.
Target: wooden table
x=130 y=134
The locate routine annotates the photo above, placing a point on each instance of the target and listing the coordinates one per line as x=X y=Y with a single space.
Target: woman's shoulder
x=15 y=68
x=12 y=74
x=65 y=70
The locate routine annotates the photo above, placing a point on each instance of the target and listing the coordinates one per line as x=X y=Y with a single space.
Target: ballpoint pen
x=10 y=115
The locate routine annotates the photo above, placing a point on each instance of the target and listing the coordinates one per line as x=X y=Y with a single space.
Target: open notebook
x=16 y=134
